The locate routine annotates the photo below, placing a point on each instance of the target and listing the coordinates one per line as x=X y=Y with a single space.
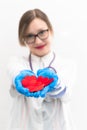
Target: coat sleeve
x=15 y=65
x=67 y=77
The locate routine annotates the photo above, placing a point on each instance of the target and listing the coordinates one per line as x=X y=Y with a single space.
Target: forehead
x=36 y=25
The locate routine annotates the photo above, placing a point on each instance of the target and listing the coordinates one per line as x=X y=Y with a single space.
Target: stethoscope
x=49 y=66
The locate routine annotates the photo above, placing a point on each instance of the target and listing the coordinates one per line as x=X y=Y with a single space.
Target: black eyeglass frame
x=36 y=35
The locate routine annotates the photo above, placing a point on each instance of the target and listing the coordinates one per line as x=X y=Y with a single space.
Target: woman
x=40 y=107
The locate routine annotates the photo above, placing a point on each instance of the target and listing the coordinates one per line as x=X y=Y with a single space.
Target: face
x=37 y=29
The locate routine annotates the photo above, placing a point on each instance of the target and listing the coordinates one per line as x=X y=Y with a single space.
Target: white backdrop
x=69 y=19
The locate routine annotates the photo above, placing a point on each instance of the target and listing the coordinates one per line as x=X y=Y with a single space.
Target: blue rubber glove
x=46 y=72
x=51 y=73
x=18 y=84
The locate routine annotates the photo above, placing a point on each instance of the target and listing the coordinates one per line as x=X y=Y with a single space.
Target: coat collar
x=45 y=59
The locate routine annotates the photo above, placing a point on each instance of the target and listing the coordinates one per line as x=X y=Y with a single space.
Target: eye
x=42 y=32
x=30 y=36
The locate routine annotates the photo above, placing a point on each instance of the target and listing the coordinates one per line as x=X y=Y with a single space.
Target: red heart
x=34 y=83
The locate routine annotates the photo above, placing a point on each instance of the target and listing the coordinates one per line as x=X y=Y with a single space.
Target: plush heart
x=34 y=83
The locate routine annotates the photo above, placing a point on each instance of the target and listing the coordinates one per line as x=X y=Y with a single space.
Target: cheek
x=49 y=41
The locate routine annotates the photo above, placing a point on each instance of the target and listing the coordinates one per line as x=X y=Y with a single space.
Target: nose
x=38 y=40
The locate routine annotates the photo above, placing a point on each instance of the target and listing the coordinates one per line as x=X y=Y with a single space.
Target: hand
x=49 y=72
x=46 y=72
x=18 y=84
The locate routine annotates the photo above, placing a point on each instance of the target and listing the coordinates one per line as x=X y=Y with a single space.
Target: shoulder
x=18 y=61
x=17 y=64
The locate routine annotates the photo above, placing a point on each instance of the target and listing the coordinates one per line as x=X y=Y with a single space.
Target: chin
x=42 y=53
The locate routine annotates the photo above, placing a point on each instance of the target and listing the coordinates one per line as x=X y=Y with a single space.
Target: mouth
x=40 y=47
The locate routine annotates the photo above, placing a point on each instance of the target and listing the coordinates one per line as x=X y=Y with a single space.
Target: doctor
x=46 y=106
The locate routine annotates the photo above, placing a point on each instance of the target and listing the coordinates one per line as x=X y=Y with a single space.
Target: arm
x=18 y=71
x=67 y=77
x=15 y=66
x=59 y=91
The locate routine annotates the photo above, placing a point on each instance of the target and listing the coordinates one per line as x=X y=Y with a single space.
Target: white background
x=69 y=19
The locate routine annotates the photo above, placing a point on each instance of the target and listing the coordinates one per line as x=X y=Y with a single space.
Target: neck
x=50 y=62
x=41 y=55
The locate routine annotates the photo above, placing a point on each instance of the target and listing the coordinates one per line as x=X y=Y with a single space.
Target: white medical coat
x=49 y=113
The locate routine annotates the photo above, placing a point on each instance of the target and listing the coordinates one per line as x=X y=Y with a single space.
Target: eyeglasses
x=42 y=35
